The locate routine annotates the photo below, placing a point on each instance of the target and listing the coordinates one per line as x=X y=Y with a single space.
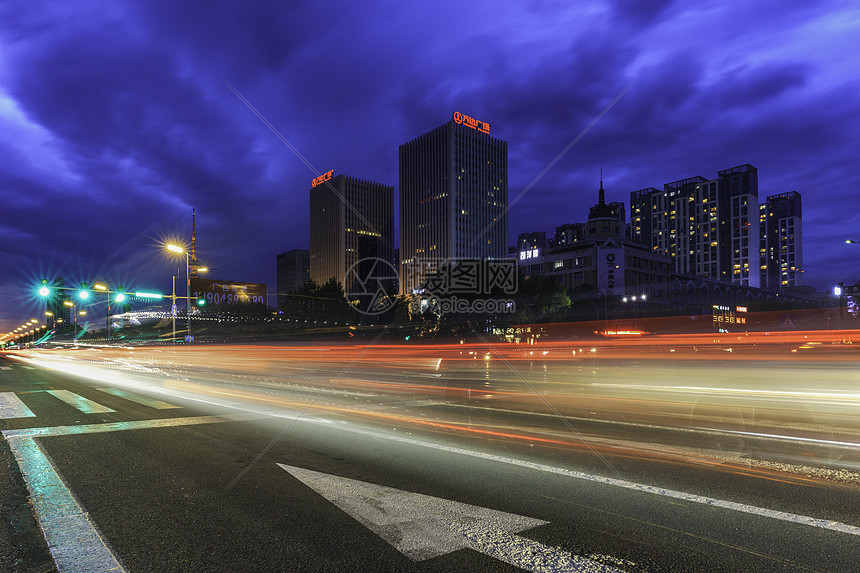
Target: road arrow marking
x=422 y=527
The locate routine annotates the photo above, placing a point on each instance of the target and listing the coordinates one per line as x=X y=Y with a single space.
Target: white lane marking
x=137 y=398
x=29 y=367
x=75 y=543
x=83 y=404
x=792 y=438
x=743 y=391
x=5 y=368
x=422 y=527
x=117 y=426
x=711 y=501
x=11 y=406
x=691 y=429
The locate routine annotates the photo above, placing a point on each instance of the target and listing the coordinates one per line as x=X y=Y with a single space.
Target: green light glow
x=148 y=295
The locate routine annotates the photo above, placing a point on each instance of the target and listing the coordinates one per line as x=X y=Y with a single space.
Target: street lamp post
x=180 y=250
x=173 y=306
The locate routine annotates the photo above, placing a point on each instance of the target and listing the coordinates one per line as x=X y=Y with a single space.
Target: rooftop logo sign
x=475 y=124
x=322 y=178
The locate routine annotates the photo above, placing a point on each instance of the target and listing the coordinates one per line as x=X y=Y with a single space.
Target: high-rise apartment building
x=293 y=271
x=780 y=243
x=532 y=242
x=567 y=235
x=708 y=227
x=453 y=198
x=352 y=222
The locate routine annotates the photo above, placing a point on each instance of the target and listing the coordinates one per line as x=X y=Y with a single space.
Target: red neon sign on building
x=322 y=178
x=475 y=124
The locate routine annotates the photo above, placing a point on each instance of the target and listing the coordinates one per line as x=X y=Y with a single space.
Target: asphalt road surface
x=446 y=458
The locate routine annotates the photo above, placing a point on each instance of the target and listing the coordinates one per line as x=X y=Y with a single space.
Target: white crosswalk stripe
x=85 y=405
x=11 y=406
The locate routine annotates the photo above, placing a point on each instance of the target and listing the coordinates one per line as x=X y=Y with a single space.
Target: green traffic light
x=84 y=294
x=44 y=291
x=201 y=301
x=120 y=297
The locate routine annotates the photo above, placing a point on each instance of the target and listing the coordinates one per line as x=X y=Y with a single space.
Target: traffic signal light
x=201 y=301
x=119 y=297
x=44 y=290
x=84 y=293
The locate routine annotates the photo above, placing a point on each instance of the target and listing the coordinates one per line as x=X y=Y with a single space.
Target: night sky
x=118 y=118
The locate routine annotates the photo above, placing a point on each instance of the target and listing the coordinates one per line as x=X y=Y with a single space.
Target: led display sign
x=725 y=316
x=322 y=178
x=228 y=292
x=475 y=124
x=529 y=254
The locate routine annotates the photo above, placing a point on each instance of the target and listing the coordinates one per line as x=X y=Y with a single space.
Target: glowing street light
x=179 y=250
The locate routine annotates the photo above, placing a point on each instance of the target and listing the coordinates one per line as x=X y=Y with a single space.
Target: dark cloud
x=639 y=12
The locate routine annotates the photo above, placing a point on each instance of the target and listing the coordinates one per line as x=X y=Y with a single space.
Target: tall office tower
x=293 y=271
x=60 y=314
x=781 y=246
x=707 y=227
x=352 y=221
x=453 y=198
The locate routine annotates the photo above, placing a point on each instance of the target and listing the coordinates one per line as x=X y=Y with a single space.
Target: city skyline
x=119 y=120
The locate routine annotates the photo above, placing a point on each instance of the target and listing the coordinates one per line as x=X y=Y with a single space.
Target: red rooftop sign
x=481 y=126
x=322 y=178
